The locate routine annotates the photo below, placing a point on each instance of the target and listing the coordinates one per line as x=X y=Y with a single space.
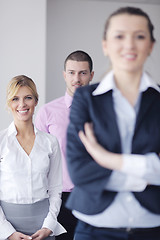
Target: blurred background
x=37 y=36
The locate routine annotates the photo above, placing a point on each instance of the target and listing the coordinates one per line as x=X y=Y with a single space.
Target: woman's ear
x=104 y=47
x=36 y=102
x=151 y=48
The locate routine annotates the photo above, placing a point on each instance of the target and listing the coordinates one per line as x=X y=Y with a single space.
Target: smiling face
x=76 y=74
x=128 y=42
x=22 y=105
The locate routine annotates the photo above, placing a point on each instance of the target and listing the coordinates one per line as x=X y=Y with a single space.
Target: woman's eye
x=29 y=97
x=141 y=37
x=15 y=99
x=119 y=36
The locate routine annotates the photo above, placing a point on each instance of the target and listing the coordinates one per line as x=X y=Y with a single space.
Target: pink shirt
x=53 y=117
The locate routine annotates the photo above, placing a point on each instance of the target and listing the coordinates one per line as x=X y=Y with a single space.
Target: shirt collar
x=68 y=100
x=108 y=84
x=12 y=129
x=147 y=82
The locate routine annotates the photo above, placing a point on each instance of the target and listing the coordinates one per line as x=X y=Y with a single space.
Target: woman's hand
x=103 y=157
x=41 y=234
x=19 y=236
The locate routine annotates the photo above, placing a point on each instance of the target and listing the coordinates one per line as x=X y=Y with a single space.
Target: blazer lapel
x=109 y=113
x=147 y=100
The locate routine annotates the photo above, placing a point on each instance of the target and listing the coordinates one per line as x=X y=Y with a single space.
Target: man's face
x=77 y=74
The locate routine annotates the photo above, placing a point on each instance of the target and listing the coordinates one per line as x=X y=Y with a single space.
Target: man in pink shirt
x=53 y=118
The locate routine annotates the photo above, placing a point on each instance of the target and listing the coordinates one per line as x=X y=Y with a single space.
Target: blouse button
x=129 y=199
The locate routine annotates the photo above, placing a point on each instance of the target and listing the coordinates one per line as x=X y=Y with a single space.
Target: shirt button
x=130 y=220
x=130 y=128
x=129 y=199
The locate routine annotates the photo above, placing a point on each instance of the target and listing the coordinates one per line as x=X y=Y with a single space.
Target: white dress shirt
x=26 y=179
x=137 y=170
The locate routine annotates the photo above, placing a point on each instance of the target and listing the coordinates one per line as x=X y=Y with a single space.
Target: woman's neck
x=25 y=136
x=24 y=129
x=128 y=84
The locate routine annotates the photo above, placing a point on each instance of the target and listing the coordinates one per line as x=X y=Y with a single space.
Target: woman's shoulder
x=3 y=133
x=89 y=87
x=3 y=138
x=86 y=90
x=44 y=136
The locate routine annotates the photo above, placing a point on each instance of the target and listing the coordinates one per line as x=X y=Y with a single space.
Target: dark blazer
x=89 y=195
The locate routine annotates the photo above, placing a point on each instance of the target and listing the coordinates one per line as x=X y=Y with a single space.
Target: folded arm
x=131 y=172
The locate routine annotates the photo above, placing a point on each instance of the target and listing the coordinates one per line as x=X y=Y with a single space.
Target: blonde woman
x=30 y=170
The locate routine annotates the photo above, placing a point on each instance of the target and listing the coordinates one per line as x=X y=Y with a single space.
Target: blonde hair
x=17 y=82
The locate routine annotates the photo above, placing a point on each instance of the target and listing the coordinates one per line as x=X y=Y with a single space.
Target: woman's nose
x=22 y=103
x=129 y=42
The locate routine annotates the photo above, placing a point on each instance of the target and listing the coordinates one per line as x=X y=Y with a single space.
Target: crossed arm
x=145 y=170
x=103 y=157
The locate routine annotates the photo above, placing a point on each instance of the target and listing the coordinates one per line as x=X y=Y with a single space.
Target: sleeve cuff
x=54 y=226
x=134 y=164
x=6 y=230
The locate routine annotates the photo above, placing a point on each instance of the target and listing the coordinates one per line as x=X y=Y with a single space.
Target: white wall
x=22 y=46
x=78 y=24
x=37 y=35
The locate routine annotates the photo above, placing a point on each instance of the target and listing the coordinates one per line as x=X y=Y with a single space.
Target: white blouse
x=27 y=179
